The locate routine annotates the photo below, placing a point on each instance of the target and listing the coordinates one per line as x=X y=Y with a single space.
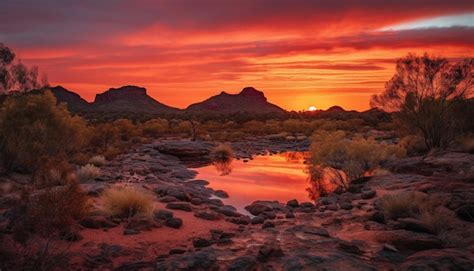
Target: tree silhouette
x=427 y=92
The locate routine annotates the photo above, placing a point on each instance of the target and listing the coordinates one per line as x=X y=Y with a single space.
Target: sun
x=312 y=108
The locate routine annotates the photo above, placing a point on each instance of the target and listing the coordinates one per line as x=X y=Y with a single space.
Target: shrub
x=97 y=161
x=467 y=144
x=87 y=172
x=127 y=201
x=354 y=156
x=33 y=127
x=155 y=127
x=420 y=206
x=222 y=153
x=413 y=144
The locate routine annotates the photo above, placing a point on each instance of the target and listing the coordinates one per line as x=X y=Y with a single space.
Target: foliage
x=354 y=156
x=127 y=201
x=33 y=127
x=429 y=93
x=15 y=76
x=155 y=127
x=222 y=153
x=98 y=161
x=87 y=173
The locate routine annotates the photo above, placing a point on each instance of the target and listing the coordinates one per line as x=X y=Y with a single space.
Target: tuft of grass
x=467 y=144
x=127 y=201
x=222 y=153
x=381 y=172
x=98 y=160
x=438 y=220
x=87 y=172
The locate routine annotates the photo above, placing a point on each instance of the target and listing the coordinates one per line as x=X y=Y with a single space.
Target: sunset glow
x=297 y=52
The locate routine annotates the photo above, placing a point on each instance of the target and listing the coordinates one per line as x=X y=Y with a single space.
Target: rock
x=183 y=206
x=198 y=182
x=377 y=217
x=221 y=194
x=207 y=215
x=138 y=224
x=162 y=214
x=259 y=207
x=130 y=232
x=409 y=241
x=308 y=230
x=289 y=215
x=332 y=207
x=201 y=242
x=466 y=212
x=346 y=206
x=177 y=251
x=268 y=224
x=307 y=205
x=374 y=226
x=204 y=259
x=350 y=247
x=180 y=195
x=257 y=220
x=97 y=222
x=411 y=224
x=72 y=234
x=368 y=194
x=227 y=211
x=442 y=259
x=268 y=251
x=292 y=203
x=166 y=199
x=243 y=263
x=268 y=215
x=241 y=220
x=94 y=189
x=196 y=201
x=174 y=222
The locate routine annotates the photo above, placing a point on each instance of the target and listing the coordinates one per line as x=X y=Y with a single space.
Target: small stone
x=268 y=224
x=166 y=199
x=221 y=194
x=162 y=214
x=174 y=222
x=243 y=263
x=177 y=251
x=196 y=201
x=290 y=215
x=207 y=215
x=466 y=213
x=307 y=205
x=346 y=206
x=257 y=220
x=201 y=242
x=368 y=194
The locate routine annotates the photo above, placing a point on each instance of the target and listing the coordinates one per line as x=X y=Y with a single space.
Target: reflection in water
x=223 y=167
x=267 y=177
x=325 y=181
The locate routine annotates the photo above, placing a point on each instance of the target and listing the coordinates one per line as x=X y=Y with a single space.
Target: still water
x=279 y=177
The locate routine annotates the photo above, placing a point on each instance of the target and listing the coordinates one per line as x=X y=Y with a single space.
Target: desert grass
x=127 y=201
x=98 y=161
x=87 y=172
x=222 y=153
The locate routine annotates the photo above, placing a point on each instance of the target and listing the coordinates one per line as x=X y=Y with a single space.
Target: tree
x=427 y=93
x=15 y=76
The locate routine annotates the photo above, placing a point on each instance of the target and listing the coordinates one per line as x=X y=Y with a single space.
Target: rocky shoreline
x=192 y=229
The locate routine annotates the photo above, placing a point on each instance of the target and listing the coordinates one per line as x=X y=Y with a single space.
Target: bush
x=33 y=127
x=419 y=206
x=467 y=144
x=155 y=127
x=97 y=161
x=222 y=153
x=354 y=156
x=413 y=144
x=87 y=172
x=127 y=201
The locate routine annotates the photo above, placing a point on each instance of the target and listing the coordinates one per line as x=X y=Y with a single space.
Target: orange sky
x=300 y=53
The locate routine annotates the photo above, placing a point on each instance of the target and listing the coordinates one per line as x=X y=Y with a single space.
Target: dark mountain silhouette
x=73 y=101
x=129 y=99
x=248 y=100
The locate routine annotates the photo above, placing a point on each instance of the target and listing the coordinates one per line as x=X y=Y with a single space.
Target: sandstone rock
x=204 y=259
x=346 y=206
x=183 y=206
x=243 y=263
x=97 y=222
x=307 y=205
x=440 y=259
x=268 y=251
x=140 y=224
x=162 y=214
x=241 y=220
x=207 y=215
x=257 y=220
x=196 y=201
x=268 y=224
x=368 y=194
x=409 y=241
x=350 y=247
x=201 y=242
x=167 y=199
x=221 y=194
x=259 y=207
x=227 y=211
x=292 y=203
x=174 y=222
x=411 y=224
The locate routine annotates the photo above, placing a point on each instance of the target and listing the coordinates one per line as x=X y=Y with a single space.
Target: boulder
x=257 y=220
x=292 y=203
x=368 y=194
x=243 y=263
x=138 y=224
x=162 y=214
x=221 y=194
x=207 y=215
x=174 y=222
x=267 y=251
x=204 y=259
x=97 y=222
x=466 y=212
x=201 y=242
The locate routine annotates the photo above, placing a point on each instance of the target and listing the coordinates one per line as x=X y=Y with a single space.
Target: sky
x=301 y=53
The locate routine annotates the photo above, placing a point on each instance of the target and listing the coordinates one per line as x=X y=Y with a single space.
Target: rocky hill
x=248 y=100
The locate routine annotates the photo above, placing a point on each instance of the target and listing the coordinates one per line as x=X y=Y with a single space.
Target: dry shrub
x=112 y=152
x=87 y=172
x=413 y=144
x=155 y=127
x=53 y=172
x=127 y=201
x=222 y=152
x=381 y=172
x=98 y=161
x=420 y=206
